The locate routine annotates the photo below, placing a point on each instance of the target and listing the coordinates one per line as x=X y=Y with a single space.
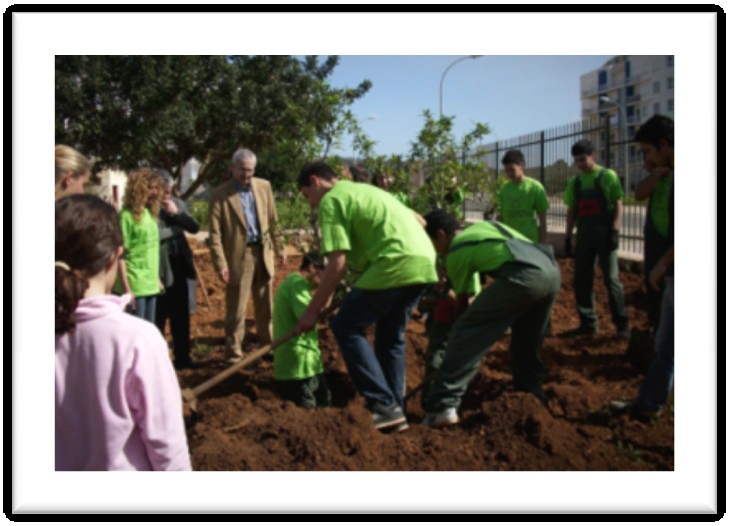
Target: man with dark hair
x=360 y=174
x=594 y=203
x=383 y=239
x=521 y=198
x=657 y=188
x=297 y=363
x=526 y=282
x=656 y=145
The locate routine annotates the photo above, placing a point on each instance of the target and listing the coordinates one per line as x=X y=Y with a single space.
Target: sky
x=512 y=94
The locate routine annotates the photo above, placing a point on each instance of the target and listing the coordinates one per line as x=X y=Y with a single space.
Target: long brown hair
x=136 y=194
x=87 y=236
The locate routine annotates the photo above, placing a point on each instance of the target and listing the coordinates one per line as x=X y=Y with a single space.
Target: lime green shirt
x=299 y=358
x=381 y=236
x=142 y=248
x=610 y=186
x=519 y=202
x=464 y=263
x=659 y=205
x=402 y=197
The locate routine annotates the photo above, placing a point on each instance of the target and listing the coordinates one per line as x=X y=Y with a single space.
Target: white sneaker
x=447 y=417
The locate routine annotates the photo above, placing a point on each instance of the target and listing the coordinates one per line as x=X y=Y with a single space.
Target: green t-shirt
x=462 y=264
x=381 y=236
x=610 y=185
x=299 y=358
x=519 y=202
x=142 y=248
x=659 y=205
x=402 y=197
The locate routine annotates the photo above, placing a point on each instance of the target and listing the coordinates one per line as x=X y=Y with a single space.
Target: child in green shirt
x=297 y=364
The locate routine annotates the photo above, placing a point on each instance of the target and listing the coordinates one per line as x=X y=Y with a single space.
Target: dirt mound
x=242 y=424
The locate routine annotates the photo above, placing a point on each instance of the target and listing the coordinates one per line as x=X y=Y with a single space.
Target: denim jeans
x=659 y=379
x=378 y=376
x=146 y=307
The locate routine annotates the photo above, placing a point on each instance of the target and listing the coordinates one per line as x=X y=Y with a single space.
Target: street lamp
x=444 y=75
x=623 y=132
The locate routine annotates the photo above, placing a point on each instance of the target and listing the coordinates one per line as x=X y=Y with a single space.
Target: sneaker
x=385 y=418
x=582 y=330
x=447 y=417
x=633 y=409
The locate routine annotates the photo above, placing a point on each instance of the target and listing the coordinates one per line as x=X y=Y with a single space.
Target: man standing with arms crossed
x=242 y=213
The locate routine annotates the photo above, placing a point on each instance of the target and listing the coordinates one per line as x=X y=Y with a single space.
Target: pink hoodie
x=118 y=403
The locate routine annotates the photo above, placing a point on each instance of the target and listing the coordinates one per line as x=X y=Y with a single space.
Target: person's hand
x=169 y=206
x=656 y=275
x=132 y=305
x=161 y=287
x=614 y=239
x=225 y=276
x=307 y=322
x=568 y=247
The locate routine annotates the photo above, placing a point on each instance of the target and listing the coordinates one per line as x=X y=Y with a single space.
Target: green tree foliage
x=163 y=110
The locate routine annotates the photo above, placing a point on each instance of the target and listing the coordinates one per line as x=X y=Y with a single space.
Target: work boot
x=447 y=417
x=387 y=418
x=633 y=409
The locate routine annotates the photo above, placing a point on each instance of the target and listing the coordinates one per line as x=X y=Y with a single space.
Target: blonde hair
x=70 y=160
x=136 y=194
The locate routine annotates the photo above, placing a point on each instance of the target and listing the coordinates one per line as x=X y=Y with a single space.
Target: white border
x=690 y=37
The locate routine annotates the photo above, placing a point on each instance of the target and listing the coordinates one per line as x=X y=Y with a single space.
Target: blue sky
x=514 y=94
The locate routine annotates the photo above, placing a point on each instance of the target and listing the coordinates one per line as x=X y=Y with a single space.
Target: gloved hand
x=568 y=247
x=614 y=239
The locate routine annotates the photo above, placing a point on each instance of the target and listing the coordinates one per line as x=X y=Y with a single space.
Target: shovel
x=190 y=395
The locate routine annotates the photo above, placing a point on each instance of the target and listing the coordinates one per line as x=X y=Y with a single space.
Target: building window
x=629 y=91
x=602 y=78
x=670 y=60
x=656 y=87
x=630 y=111
x=670 y=82
x=627 y=70
x=656 y=108
x=632 y=148
x=631 y=131
x=670 y=104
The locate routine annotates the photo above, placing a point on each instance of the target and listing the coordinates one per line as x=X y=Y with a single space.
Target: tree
x=163 y=110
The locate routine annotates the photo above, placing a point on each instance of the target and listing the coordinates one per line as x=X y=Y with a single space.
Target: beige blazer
x=228 y=226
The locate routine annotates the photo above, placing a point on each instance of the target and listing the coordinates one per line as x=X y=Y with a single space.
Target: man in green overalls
x=594 y=203
x=526 y=282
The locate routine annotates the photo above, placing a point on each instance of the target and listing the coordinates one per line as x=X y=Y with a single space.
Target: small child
x=297 y=364
x=118 y=403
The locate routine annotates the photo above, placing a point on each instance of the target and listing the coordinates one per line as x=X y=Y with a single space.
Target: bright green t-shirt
x=142 y=248
x=659 y=205
x=381 y=236
x=519 y=202
x=610 y=184
x=299 y=358
x=462 y=264
x=402 y=197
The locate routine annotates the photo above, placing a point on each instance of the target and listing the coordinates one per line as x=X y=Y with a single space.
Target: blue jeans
x=659 y=379
x=379 y=376
x=146 y=307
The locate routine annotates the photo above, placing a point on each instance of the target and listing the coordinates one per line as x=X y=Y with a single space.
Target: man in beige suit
x=242 y=214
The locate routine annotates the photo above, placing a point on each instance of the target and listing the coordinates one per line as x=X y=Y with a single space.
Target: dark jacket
x=173 y=243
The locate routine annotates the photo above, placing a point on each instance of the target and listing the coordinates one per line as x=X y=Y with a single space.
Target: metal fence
x=548 y=159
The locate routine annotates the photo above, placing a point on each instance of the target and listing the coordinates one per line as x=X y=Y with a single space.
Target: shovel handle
x=255 y=356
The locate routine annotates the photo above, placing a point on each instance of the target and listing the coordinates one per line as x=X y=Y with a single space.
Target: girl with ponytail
x=118 y=403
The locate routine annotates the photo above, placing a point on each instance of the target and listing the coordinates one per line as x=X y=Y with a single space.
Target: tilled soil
x=242 y=424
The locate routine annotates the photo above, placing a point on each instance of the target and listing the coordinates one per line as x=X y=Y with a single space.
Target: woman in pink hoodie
x=118 y=403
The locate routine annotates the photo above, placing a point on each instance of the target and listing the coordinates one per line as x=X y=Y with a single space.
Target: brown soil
x=241 y=424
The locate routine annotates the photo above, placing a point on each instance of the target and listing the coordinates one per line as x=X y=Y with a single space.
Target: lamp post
x=622 y=130
x=446 y=72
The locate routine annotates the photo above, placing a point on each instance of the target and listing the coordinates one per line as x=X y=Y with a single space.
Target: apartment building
x=628 y=89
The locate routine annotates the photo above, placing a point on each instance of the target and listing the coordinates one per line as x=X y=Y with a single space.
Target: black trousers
x=174 y=304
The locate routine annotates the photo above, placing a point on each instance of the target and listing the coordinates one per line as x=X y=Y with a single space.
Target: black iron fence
x=548 y=159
